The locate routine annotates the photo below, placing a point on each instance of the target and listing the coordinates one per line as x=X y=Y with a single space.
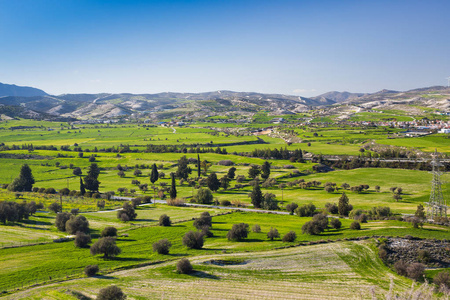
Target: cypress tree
x=91 y=180
x=198 y=166
x=173 y=189
x=256 y=195
x=154 y=174
x=24 y=182
x=343 y=206
x=265 y=170
x=82 y=189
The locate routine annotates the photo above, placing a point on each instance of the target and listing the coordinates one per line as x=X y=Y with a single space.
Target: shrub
x=109 y=231
x=226 y=162
x=289 y=237
x=415 y=271
x=355 y=225
x=206 y=232
x=273 y=233
x=101 y=204
x=64 y=191
x=82 y=239
x=225 y=203
x=184 y=266
x=204 y=220
x=256 y=228
x=442 y=280
x=317 y=225
x=50 y=191
x=335 y=223
x=61 y=219
x=135 y=202
x=423 y=256
x=332 y=208
x=238 y=232
x=111 y=293
x=77 y=223
x=74 y=211
x=162 y=246
x=204 y=196
x=128 y=210
x=164 y=220
x=106 y=246
x=291 y=207
x=362 y=218
x=306 y=210
x=193 y=240
x=55 y=207
x=91 y=270
x=400 y=267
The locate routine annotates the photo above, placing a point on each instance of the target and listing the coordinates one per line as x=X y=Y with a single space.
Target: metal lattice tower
x=437 y=206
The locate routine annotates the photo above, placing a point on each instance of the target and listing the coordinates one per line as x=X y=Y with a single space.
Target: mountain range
x=35 y=103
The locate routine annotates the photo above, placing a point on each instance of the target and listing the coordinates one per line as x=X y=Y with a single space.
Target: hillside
x=220 y=103
x=19 y=91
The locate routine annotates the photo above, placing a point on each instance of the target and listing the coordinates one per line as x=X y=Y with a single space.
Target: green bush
x=82 y=239
x=289 y=237
x=355 y=225
x=162 y=246
x=238 y=232
x=61 y=219
x=164 y=220
x=193 y=240
x=184 y=266
x=111 y=293
x=109 y=231
x=91 y=270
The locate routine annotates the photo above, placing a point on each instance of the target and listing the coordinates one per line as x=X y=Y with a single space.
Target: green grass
x=57 y=260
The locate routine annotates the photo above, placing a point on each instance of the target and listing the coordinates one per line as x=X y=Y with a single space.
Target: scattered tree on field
x=289 y=237
x=265 y=170
x=184 y=266
x=231 y=173
x=256 y=196
x=55 y=207
x=127 y=212
x=61 y=219
x=238 y=232
x=77 y=223
x=111 y=293
x=82 y=239
x=306 y=210
x=291 y=207
x=254 y=171
x=162 y=246
x=173 y=188
x=335 y=223
x=91 y=270
x=193 y=240
x=203 y=196
x=343 y=205
x=91 y=180
x=164 y=220
x=77 y=171
x=256 y=228
x=24 y=182
x=183 y=170
x=273 y=234
x=106 y=246
x=109 y=231
x=213 y=182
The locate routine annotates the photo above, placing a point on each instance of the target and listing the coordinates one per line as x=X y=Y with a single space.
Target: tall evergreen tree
x=24 y=182
x=199 y=173
x=173 y=188
x=256 y=196
x=213 y=182
x=82 y=188
x=91 y=180
x=265 y=170
x=254 y=171
x=154 y=174
x=343 y=205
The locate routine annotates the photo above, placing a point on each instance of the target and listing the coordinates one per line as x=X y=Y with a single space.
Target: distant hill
x=19 y=91
x=201 y=105
x=339 y=97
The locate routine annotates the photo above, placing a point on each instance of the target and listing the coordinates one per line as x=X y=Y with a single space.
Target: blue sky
x=290 y=47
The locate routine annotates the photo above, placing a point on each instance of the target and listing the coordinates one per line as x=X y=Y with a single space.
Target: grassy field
x=337 y=270
x=37 y=263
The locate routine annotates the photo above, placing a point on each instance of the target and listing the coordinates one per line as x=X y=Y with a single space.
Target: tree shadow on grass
x=34 y=222
x=177 y=254
x=104 y=277
x=249 y=240
x=126 y=259
x=125 y=240
x=201 y=274
x=144 y=220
